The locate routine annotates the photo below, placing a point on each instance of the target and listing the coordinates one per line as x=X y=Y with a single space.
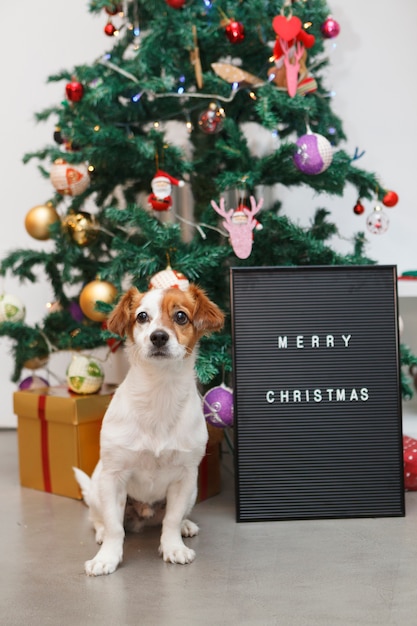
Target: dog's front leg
x=180 y=500
x=112 y=498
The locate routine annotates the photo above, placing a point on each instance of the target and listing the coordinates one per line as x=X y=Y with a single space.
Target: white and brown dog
x=154 y=433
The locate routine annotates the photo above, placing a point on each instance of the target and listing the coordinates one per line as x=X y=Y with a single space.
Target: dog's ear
x=207 y=316
x=119 y=319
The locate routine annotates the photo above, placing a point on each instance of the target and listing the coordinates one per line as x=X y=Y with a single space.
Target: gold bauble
x=36 y=363
x=92 y=293
x=82 y=227
x=39 y=219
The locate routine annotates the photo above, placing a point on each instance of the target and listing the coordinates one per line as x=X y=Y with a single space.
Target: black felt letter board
x=318 y=429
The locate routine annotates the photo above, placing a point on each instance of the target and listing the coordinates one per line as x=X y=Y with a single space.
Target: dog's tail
x=84 y=482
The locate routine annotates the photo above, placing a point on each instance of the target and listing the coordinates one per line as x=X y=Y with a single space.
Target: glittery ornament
x=314 y=153
x=330 y=28
x=211 y=121
x=39 y=219
x=12 y=308
x=84 y=375
x=93 y=292
x=169 y=278
x=81 y=227
x=69 y=179
x=218 y=406
x=410 y=463
x=235 y=31
x=240 y=231
x=175 y=4
x=377 y=222
x=390 y=199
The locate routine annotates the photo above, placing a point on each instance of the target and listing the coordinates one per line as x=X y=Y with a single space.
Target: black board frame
x=347 y=466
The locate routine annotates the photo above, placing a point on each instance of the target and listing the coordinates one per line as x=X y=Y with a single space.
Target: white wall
x=372 y=74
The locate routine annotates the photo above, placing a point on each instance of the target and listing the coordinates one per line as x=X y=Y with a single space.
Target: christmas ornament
x=12 y=308
x=235 y=31
x=74 y=91
x=410 y=463
x=233 y=74
x=84 y=375
x=160 y=198
x=33 y=382
x=75 y=311
x=241 y=233
x=390 y=199
x=330 y=28
x=211 y=120
x=169 y=278
x=314 y=153
x=58 y=136
x=81 y=227
x=175 y=4
x=39 y=219
x=358 y=209
x=36 y=363
x=69 y=179
x=110 y=29
x=113 y=9
x=377 y=222
x=96 y=290
x=218 y=406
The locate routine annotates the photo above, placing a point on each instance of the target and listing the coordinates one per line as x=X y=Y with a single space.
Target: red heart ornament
x=286 y=28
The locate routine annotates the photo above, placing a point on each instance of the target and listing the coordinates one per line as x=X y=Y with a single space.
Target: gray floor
x=330 y=572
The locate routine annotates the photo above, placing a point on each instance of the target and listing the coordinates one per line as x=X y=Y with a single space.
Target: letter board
x=318 y=424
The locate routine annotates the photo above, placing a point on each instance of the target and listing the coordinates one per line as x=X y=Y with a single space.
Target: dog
x=153 y=434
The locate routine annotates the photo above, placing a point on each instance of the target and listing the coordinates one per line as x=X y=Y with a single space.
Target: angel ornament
x=240 y=224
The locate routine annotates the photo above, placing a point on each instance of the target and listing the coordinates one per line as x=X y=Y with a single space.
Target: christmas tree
x=154 y=140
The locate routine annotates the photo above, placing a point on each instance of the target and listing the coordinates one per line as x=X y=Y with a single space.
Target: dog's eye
x=142 y=317
x=180 y=318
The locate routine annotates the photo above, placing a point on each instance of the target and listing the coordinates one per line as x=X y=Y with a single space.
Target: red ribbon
x=44 y=443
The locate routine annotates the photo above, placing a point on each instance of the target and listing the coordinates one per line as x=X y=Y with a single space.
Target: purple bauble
x=314 y=154
x=218 y=406
x=330 y=28
x=75 y=311
x=33 y=382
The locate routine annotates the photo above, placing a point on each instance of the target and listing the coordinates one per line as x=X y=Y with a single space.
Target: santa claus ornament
x=69 y=179
x=160 y=198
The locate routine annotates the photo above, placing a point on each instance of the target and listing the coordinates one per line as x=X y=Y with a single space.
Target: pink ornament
x=314 y=153
x=218 y=406
x=410 y=463
x=241 y=232
x=33 y=382
x=330 y=28
x=292 y=57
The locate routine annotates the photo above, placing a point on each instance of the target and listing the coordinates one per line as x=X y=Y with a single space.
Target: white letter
x=315 y=341
x=284 y=396
x=340 y=395
x=317 y=395
x=270 y=397
x=364 y=394
x=329 y=341
x=353 y=395
x=330 y=393
x=346 y=339
x=296 y=395
x=300 y=340
x=282 y=342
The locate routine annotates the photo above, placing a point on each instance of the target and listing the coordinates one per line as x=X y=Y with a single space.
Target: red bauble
x=390 y=199
x=330 y=28
x=175 y=4
x=74 y=91
x=358 y=209
x=235 y=31
x=110 y=29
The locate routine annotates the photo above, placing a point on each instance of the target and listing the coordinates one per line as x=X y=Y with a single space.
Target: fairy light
x=156 y=124
x=252 y=95
x=96 y=128
x=235 y=86
x=137 y=96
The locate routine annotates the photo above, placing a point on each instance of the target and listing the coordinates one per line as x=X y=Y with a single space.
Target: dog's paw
x=189 y=529
x=98 y=567
x=177 y=554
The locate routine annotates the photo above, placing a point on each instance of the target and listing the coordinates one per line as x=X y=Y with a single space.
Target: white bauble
x=12 y=308
x=84 y=375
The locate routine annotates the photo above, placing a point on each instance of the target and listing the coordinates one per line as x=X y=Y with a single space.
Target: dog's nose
x=159 y=338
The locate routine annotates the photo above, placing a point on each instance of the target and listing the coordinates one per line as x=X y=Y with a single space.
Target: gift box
x=58 y=430
x=410 y=463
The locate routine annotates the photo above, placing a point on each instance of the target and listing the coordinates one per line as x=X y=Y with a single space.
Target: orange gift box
x=58 y=429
